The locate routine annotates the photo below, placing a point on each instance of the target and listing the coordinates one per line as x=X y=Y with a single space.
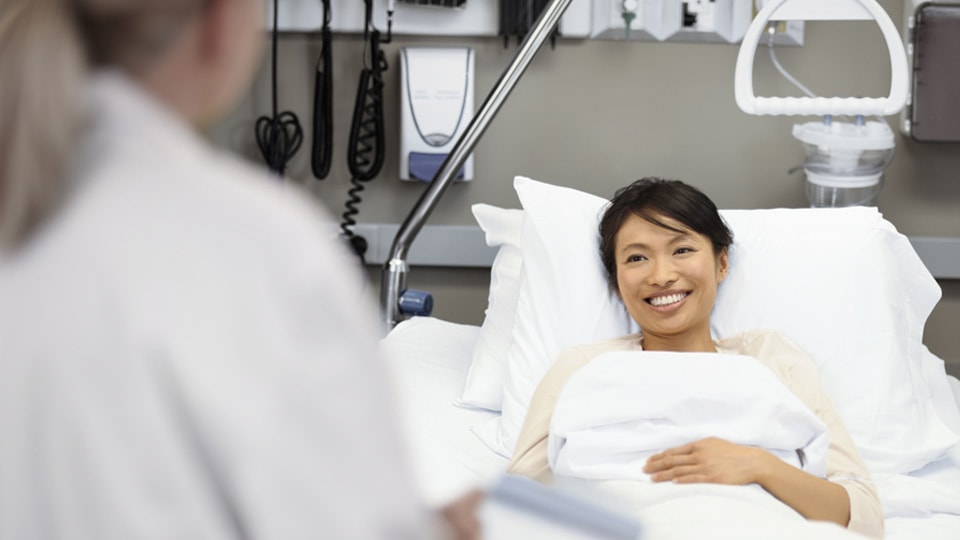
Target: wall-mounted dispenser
x=932 y=36
x=436 y=107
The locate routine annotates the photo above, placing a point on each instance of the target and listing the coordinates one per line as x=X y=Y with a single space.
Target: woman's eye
x=636 y=258
x=681 y=251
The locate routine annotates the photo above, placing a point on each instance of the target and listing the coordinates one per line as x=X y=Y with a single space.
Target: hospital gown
x=797 y=371
x=185 y=352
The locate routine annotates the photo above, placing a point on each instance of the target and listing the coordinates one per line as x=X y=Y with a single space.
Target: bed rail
x=394 y=278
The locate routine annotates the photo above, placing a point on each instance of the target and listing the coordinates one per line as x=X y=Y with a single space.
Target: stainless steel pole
x=395 y=270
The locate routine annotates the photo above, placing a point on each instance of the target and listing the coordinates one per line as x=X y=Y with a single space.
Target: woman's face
x=243 y=28
x=239 y=44
x=668 y=280
x=247 y=23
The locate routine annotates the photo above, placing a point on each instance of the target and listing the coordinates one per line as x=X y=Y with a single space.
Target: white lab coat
x=185 y=353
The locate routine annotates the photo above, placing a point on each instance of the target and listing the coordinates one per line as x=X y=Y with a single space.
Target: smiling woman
x=665 y=249
x=667 y=278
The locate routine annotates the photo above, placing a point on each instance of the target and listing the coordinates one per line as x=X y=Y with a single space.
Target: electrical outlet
x=699 y=15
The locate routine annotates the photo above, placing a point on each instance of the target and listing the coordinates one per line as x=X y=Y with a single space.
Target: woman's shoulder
x=169 y=176
x=578 y=355
x=772 y=348
x=757 y=339
x=575 y=357
x=286 y=207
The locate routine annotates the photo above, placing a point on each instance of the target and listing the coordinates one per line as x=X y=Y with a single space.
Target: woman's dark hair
x=651 y=197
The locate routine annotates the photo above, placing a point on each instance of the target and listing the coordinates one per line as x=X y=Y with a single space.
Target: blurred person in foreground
x=184 y=350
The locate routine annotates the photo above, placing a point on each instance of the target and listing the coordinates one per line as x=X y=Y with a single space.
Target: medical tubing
x=278 y=137
x=395 y=269
x=366 y=128
x=783 y=71
x=366 y=139
x=321 y=156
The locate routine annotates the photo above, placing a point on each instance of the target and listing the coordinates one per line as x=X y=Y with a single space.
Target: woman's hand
x=716 y=461
x=712 y=461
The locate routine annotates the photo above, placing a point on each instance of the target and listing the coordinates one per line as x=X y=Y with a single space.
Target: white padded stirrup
x=808 y=10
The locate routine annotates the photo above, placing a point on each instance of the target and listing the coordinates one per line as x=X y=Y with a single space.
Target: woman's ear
x=723 y=264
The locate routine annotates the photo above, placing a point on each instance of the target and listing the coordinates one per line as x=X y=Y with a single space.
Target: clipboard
x=518 y=507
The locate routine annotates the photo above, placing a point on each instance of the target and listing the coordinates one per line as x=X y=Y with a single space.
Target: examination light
x=844 y=159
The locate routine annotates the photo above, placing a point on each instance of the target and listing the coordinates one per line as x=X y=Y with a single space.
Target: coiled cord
x=365 y=153
x=280 y=136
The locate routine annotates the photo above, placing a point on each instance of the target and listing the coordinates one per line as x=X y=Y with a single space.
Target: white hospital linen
x=185 y=353
x=790 y=364
x=623 y=407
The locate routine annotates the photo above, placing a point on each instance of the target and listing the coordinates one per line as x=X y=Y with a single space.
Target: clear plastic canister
x=829 y=192
x=844 y=161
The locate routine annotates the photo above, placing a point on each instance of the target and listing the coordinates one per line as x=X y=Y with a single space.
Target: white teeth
x=668 y=299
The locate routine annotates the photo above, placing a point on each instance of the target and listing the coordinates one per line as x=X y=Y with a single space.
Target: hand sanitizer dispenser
x=436 y=106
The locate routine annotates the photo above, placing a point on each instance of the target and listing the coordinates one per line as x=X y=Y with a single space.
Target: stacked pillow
x=484 y=385
x=841 y=283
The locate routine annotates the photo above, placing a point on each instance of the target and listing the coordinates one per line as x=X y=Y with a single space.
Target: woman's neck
x=701 y=342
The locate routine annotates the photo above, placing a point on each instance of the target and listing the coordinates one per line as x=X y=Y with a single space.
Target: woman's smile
x=668 y=301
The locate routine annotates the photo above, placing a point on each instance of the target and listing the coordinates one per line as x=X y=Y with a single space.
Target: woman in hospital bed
x=665 y=249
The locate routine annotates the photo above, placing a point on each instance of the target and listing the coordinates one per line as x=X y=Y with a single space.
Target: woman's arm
x=844 y=466
x=813 y=497
x=717 y=461
x=530 y=454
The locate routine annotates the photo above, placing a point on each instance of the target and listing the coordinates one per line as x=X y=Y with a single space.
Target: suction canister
x=844 y=161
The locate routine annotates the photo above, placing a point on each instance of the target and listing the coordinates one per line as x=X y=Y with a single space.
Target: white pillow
x=841 y=283
x=563 y=299
x=851 y=291
x=484 y=385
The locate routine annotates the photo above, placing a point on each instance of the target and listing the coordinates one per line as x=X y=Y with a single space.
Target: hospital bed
x=841 y=283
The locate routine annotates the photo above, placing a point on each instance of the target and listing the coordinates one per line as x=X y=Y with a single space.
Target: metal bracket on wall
x=478 y=18
x=454 y=246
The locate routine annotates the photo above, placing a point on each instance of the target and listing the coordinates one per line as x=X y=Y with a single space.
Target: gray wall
x=596 y=114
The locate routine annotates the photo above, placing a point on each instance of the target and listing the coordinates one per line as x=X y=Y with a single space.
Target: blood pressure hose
x=366 y=148
x=366 y=129
x=278 y=136
x=321 y=156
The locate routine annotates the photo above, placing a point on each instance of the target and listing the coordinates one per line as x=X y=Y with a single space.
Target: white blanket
x=623 y=407
x=701 y=511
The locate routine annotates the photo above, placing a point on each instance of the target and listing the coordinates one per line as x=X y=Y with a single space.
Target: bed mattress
x=429 y=360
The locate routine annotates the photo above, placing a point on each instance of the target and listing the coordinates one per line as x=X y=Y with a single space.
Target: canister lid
x=845 y=136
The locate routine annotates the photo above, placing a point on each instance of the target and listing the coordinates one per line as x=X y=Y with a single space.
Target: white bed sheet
x=430 y=359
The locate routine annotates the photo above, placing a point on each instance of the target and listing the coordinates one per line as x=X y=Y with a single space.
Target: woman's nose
x=662 y=272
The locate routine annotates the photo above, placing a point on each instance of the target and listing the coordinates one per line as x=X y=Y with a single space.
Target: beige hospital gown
x=792 y=365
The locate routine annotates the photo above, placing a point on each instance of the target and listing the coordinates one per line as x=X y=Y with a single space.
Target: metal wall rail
x=396 y=268
x=465 y=246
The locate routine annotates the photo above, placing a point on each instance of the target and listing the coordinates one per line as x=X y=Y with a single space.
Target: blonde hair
x=46 y=49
